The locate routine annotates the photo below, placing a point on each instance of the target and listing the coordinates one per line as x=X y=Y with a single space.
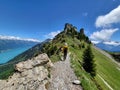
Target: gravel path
x=62 y=76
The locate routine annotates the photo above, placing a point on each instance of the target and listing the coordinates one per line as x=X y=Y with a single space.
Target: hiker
x=65 y=51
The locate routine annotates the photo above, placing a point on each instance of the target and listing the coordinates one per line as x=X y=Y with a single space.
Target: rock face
x=82 y=31
x=30 y=75
x=69 y=28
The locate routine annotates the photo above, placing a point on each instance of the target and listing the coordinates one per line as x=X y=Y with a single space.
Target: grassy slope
x=105 y=67
x=84 y=77
x=108 y=70
x=76 y=59
x=115 y=55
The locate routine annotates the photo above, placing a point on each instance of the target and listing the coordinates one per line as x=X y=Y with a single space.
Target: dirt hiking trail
x=62 y=76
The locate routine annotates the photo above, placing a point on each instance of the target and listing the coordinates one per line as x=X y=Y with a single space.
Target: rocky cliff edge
x=32 y=74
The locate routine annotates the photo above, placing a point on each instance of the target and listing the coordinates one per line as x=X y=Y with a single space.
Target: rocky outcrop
x=82 y=31
x=69 y=28
x=30 y=75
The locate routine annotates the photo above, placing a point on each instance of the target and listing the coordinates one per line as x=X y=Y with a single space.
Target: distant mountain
x=6 y=44
x=116 y=48
x=108 y=47
x=47 y=40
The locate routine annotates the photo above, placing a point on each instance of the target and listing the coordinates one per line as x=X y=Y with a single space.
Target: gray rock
x=32 y=75
x=77 y=82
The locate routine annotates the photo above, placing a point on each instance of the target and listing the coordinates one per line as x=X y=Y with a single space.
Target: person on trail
x=65 y=51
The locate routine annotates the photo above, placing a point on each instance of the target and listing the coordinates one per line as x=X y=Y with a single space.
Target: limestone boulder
x=30 y=75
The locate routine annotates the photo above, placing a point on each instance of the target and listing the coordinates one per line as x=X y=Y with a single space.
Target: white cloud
x=17 y=38
x=112 y=43
x=107 y=42
x=112 y=17
x=52 y=34
x=95 y=42
x=104 y=34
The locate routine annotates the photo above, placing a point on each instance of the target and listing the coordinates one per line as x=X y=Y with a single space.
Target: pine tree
x=88 y=61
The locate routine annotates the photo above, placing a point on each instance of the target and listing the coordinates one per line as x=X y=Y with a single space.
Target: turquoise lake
x=9 y=54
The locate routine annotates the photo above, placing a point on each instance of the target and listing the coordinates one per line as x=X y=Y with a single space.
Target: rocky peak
x=82 y=31
x=30 y=75
x=69 y=28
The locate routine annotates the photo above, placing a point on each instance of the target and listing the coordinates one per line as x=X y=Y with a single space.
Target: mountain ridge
x=6 y=44
x=77 y=42
x=108 y=47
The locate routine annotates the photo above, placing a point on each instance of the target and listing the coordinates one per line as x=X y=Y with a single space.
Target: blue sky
x=41 y=19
